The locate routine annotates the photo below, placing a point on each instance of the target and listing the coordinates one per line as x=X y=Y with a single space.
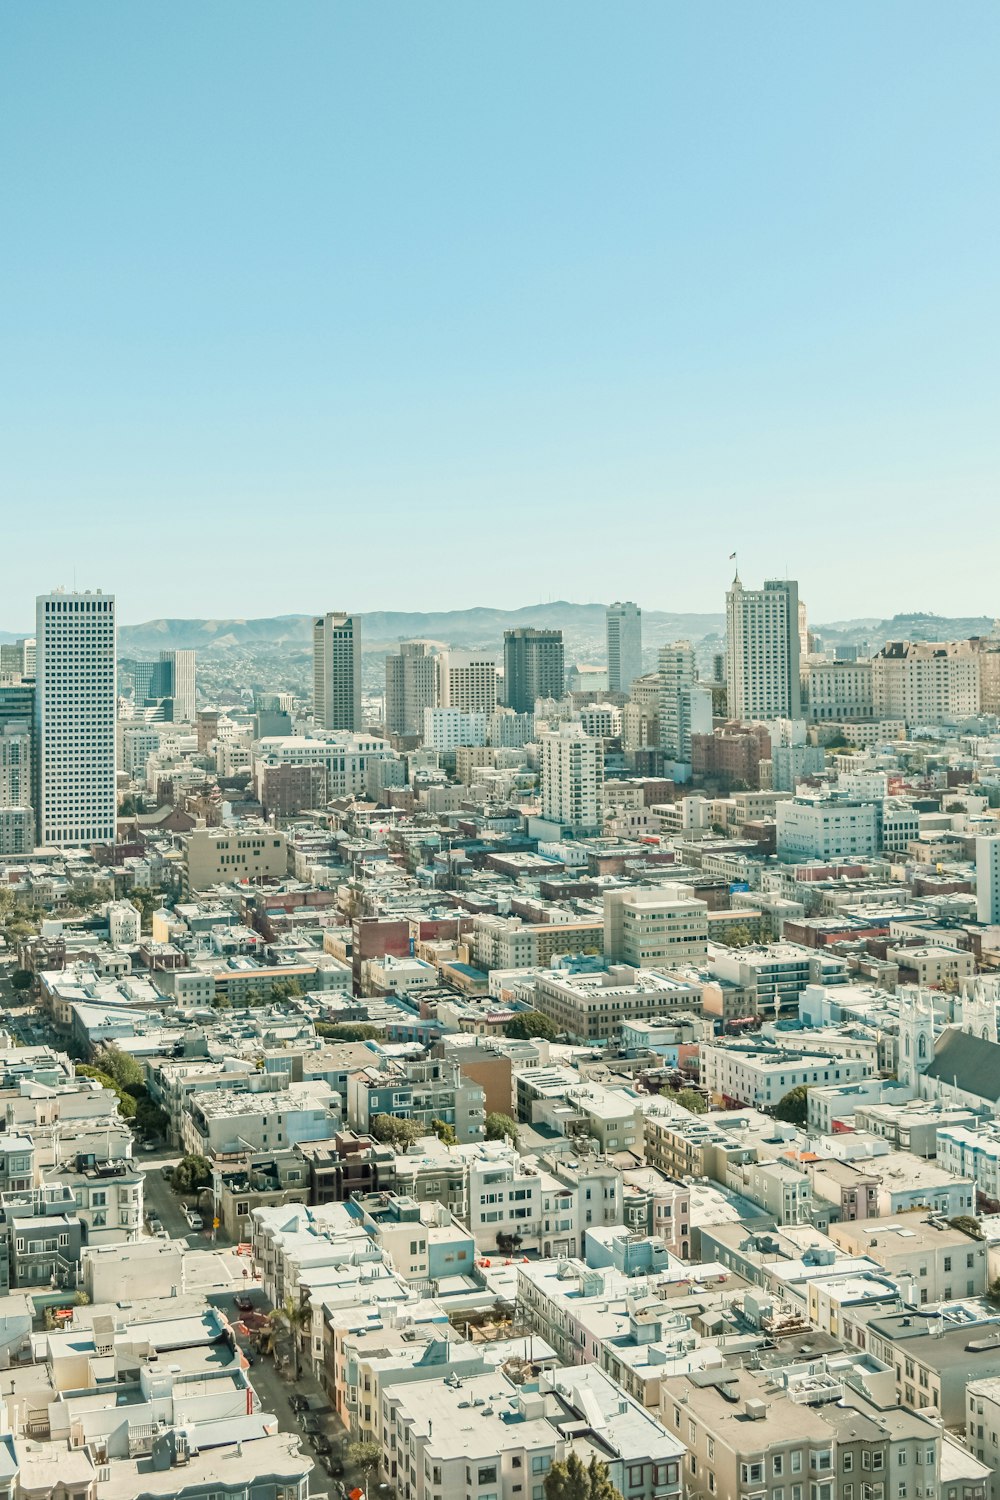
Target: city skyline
x=302 y=273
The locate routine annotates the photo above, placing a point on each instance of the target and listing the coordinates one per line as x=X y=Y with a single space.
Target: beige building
x=653 y=926
x=926 y=682
x=746 y=1437
x=216 y=856
x=937 y=1262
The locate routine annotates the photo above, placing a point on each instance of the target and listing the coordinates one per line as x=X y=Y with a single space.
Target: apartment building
x=753 y=1435
x=931 y=1261
x=760 y=1075
x=595 y=1007
x=926 y=682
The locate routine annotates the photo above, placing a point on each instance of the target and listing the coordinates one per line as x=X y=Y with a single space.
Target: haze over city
x=605 y=293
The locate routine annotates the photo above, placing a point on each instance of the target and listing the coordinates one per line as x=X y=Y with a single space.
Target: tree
x=190 y=1174
x=123 y=1068
x=293 y=1316
x=528 y=1024
x=146 y=900
x=349 y=1031
x=573 y=1480
x=968 y=1225
x=794 y=1107
x=150 y=1118
x=365 y=1457
x=391 y=1130
x=126 y=1101
x=498 y=1125
x=740 y=936
x=692 y=1100
x=22 y=979
x=284 y=989
x=445 y=1133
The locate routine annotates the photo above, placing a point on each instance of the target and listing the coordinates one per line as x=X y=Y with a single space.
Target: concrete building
x=449 y=728
x=623 y=626
x=790 y=1430
x=411 y=685
x=926 y=682
x=467 y=680
x=839 y=690
x=762 y=651
x=930 y=1261
x=533 y=667
x=654 y=926
x=826 y=826
x=760 y=1075
x=219 y=855
x=337 y=671
x=988 y=879
x=572 y=779
x=17 y=816
x=684 y=708
x=75 y=700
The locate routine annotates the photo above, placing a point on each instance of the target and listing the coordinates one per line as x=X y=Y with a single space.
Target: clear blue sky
x=431 y=302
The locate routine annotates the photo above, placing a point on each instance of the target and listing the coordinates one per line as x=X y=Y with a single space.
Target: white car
x=196 y=1221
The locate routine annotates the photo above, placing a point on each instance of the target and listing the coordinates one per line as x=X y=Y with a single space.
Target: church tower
x=916 y=1034
x=979 y=1007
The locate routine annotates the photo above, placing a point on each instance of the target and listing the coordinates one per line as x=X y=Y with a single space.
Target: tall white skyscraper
x=337 y=671
x=572 y=778
x=75 y=718
x=624 y=632
x=762 y=651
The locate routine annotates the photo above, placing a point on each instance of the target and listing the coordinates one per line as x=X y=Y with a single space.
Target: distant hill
x=582 y=625
x=384 y=628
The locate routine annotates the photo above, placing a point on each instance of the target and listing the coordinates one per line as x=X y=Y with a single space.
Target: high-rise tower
x=533 y=667
x=75 y=719
x=623 y=623
x=762 y=651
x=337 y=671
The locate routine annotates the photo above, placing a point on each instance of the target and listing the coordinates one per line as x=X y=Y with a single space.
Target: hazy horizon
x=566 y=298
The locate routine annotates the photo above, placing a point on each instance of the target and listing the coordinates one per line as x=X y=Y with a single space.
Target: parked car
x=155 y=1226
x=244 y=1303
x=322 y=1443
x=297 y=1403
x=196 y=1221
x=167 y=1171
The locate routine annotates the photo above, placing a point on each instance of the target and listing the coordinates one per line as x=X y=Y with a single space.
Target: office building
x=762 y=651
x=337 y=671
x=410 y=687
x=533 y=667
x=467 y=680
x=162 y=690
x=623 y=623
x=988 y=879
x=654 y=927
x=572 y=777
x=75 y=719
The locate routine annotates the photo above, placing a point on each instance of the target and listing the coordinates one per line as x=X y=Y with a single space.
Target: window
x=848 y=1462
x=796 y=1466
x=488 y=1475
x=635 y=1475
x=778 y=1463
x=751 y=1473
